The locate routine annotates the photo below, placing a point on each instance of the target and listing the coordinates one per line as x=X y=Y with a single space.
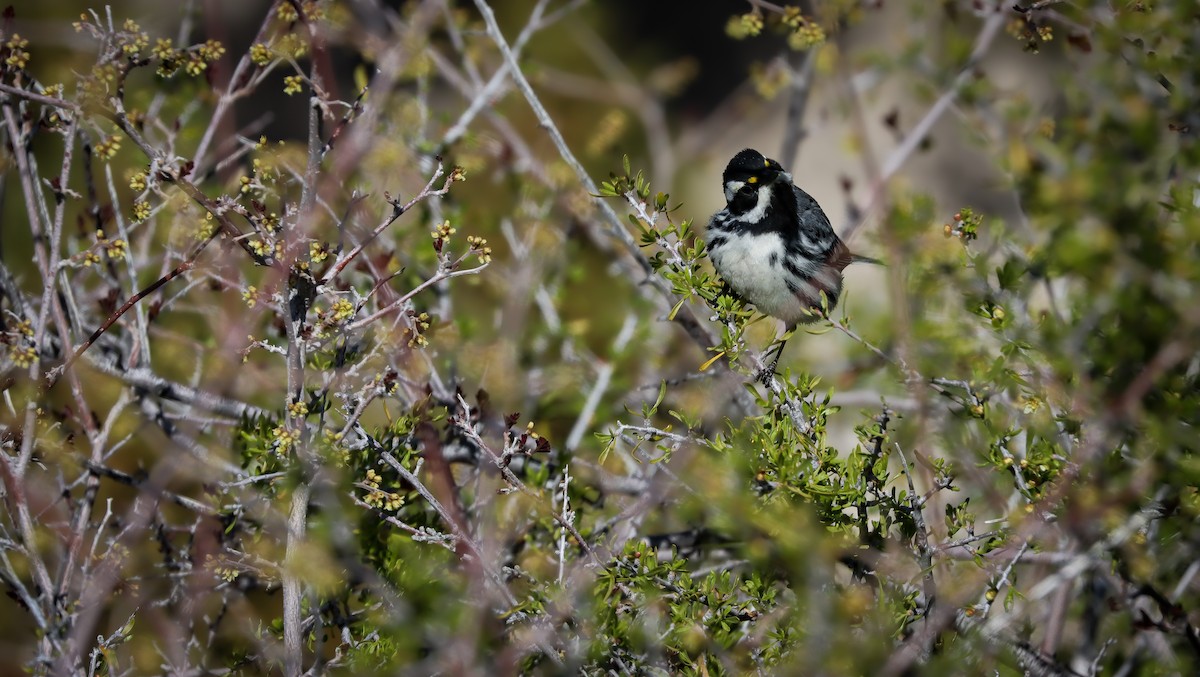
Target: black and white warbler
x=774 y=246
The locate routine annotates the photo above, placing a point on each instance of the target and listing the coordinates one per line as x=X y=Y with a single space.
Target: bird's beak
x=773 y=172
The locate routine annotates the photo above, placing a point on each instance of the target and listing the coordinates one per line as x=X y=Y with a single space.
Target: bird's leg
x=776 y=352
x=764 y=376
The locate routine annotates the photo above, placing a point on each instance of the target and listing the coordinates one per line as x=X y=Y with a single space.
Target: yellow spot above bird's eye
x=752 y=179
x=766 y=163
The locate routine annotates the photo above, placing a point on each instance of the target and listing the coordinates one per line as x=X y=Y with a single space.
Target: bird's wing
x=817 y=230
x=816 y=233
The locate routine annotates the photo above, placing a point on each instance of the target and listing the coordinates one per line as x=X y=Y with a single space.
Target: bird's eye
x=746 y=189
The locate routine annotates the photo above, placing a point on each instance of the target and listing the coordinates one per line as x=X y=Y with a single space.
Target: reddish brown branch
x=54 y=374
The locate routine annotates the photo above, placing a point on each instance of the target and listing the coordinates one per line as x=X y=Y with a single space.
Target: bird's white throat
x=760 y=208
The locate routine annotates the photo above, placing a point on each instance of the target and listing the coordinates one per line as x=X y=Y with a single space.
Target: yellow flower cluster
x=133 y=40
x=259 y=247
x=378 y=498
x=108 y=148
x=261 y=54
x=420 y=326
x=22 y=356
x=271 y=222
x=211 y=50
x=807 y=36
x=141 y=211
x=195 y=65
x=17 y=56
x=207 y=227
x=298 y=409
x=114 y=248
x=292 y=84
x=197 y=59
x=163 y=49
x=292 y=44
x=744 y=26
x=479 y=246
x=342 y=310
x=443 y=231
x=284 y=439
x=804 y=33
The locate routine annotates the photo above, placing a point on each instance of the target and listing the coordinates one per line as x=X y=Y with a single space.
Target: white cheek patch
x=760 y=208
x=731 y=188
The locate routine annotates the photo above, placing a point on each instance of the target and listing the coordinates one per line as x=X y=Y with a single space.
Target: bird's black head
x=748 y=164
x=745 y=177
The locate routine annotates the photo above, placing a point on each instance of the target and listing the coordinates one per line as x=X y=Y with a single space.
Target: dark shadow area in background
x=649 y=33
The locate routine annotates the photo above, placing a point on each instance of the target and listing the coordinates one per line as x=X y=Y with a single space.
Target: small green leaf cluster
x=677 y=254
x=692 y=619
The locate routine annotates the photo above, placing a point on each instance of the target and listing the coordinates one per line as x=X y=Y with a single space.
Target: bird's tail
x=859 y=258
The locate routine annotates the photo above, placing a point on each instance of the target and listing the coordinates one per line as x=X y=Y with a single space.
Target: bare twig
x=801 y=83
x=897 y=158
x=398 y=210
x=186 y=265
x=924 y=549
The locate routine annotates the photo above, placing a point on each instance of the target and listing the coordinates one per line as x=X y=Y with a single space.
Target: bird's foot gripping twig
x=764 y=377
x=766 y=374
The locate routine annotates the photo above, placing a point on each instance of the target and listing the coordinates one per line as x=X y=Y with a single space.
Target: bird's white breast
x=752 y=264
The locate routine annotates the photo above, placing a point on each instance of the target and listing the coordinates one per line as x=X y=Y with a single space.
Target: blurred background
x=1022 y=168
x=665 y=84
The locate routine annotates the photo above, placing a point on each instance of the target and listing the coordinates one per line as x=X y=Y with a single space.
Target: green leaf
x=1010 y=274
x=675 y=309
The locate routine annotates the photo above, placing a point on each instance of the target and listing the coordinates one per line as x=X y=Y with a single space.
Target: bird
x=774 y=247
